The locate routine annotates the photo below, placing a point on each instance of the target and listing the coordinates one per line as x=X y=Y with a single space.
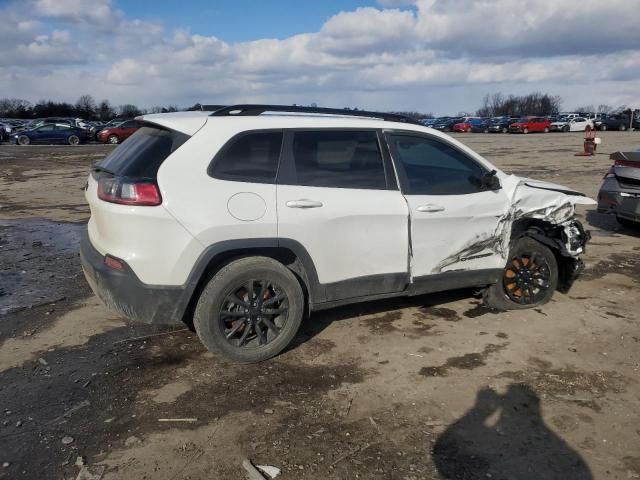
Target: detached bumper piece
x=121 y=290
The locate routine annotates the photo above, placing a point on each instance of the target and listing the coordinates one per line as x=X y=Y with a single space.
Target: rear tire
x=113 y=139
x=603 y=128
x=237 y=315
x=622 y=128
x=529 y=279
x=546 y=129
x=505 y=130
x=73 y=140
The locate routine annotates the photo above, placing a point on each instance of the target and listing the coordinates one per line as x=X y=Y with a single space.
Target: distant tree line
x=493 y=105
x=86 y=107
x=498 y=104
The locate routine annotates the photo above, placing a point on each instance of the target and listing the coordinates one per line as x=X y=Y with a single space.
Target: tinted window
x=431 y=167
x=249 y=158
x=339 y=159
x=63 y=127
x=143 y=152
x=47 y=128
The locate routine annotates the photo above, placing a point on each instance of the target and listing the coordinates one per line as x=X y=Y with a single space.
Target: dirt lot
x=430 y=388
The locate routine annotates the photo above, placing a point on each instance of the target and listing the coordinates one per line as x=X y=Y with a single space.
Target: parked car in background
x=618 y=122
x=428 y=122
x=577 y=124
x=118 y=133
x=501 y=124
x=5 y=131
x=620 y=190
x=50 y=133
x=598 y=118
x=480 y=125
x=530 y=125
x=466 y=124
x=94 y=130
x=446 y=125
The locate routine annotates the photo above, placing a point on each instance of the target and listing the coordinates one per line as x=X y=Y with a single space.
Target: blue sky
x=241 y=20
x=437 y=56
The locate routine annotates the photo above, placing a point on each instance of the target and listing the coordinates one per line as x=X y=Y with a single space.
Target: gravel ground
x=435 y=387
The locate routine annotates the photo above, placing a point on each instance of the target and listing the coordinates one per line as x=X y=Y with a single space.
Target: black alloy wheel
x=527 y=278
x=254 y=313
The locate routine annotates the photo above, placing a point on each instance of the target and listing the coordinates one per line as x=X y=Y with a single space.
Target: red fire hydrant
x=590 y=144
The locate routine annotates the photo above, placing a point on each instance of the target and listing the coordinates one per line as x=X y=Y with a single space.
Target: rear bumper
x=624 y=204
x=124 y=293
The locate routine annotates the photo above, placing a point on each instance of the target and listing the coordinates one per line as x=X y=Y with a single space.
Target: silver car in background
x=620 y=190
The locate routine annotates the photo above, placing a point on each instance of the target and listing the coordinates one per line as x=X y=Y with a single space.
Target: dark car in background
x=446 y=124
x=50 y=133
x=118 y=133
x=530 y=125
x=501 y=124
x=618 y=122
x=620 y=190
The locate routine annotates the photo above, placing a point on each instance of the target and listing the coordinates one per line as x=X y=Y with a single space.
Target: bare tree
x=86 y=107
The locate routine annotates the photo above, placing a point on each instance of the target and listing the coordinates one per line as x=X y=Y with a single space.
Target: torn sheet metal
x=528 y=199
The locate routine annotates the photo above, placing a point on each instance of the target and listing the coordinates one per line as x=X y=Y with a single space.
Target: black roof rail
x=256 y=109
x=211 y=108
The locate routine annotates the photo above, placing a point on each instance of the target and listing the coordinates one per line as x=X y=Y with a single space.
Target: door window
x=47 y=128
x=337 y=159
x=431 y=167
x=251 y=157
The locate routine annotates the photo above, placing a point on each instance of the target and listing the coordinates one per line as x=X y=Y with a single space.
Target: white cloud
x=432 y=56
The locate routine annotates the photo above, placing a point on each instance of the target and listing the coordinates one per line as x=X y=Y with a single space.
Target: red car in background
x=464 y=125
x=119 y=133
x=530 y=125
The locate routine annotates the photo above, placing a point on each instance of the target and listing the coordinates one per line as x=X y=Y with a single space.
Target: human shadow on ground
x=503 y=437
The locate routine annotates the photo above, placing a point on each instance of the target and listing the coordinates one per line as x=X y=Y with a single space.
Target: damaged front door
x=456 y=208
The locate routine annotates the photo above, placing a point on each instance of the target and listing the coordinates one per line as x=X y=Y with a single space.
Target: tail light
x=626 y=163
x=127 y=192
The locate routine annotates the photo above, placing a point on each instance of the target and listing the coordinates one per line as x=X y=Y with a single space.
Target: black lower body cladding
x=123 y=292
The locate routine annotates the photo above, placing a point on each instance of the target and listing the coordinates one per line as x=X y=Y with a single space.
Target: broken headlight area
x=575 y=238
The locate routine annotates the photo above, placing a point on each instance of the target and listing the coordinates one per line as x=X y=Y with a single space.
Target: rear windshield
x=141 y=155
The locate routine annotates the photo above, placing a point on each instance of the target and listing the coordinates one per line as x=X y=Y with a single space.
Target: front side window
x=251 y=157
x=431 y=167
x=338 y=159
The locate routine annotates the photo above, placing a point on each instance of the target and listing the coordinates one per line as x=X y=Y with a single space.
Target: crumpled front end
x=542 y=211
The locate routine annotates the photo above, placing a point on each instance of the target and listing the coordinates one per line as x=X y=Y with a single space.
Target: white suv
x=246 y=219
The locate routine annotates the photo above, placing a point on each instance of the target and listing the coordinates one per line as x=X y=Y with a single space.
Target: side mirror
x=491 y=182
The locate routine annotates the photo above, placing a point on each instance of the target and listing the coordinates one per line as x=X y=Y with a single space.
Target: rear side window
x=141 y=155
x=338 y=159
x=430 y=167
x=251 y=157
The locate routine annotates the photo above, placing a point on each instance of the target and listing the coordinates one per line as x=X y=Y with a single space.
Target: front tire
x=505 y=130
x=603 y=128
x=546 y=130
x=24 y=140
x=529 y=279
x=525 y=130
x=622 y=128
x=250 y=310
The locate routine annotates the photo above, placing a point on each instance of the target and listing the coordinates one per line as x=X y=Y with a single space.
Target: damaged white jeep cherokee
x=246 y=219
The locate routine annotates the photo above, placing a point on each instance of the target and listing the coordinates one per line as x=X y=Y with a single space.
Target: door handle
x=303 y=203
x=430 y=208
